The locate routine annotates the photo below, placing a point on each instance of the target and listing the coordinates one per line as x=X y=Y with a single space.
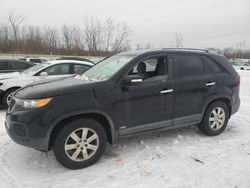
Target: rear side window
x=187 y=65
x=210 y=65
x=79 y=69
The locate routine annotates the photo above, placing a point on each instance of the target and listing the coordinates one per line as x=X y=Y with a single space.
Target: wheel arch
x=101 y=117
x=3 y=95
x=11 y=88
x=224 y=99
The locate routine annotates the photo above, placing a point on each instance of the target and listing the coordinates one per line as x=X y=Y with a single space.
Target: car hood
x=5 y=76
x=54 y=87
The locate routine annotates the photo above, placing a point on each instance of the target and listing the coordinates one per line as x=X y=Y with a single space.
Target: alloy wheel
x=81 y=144
x=217 y=118
x=9 y=98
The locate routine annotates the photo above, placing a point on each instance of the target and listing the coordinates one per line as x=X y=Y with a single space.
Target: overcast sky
x=203 y=23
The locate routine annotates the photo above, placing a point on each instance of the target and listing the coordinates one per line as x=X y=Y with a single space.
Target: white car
x=9 y=83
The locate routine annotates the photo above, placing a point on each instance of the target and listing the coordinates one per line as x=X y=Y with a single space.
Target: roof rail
x=191 y=49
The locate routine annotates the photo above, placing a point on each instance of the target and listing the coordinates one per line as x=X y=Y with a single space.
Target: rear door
x=190 y=88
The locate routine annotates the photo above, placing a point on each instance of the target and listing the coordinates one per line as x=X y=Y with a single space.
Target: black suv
x=124 y=95
x=11 y=65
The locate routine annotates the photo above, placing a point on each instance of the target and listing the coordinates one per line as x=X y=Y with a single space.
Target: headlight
x=34 y=103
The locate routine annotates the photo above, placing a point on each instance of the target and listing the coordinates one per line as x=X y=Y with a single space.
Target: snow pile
x=177 y=158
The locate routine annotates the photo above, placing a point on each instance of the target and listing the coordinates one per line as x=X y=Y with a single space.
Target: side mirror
x=132 y=80
x=43 y=74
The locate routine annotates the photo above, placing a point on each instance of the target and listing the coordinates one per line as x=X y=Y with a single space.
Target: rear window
x=187 y=65
x=35 y=60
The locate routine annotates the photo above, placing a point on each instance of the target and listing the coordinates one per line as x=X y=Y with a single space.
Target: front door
x=149 y=104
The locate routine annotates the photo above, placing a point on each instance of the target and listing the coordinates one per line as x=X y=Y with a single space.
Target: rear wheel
x=8 y=97
x=215 y=119
x=80 y=143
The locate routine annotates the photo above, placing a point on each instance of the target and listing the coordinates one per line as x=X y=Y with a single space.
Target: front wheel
x=80 y=143
x=215 y=119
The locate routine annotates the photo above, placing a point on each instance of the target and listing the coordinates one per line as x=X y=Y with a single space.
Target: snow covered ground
x=177 y=158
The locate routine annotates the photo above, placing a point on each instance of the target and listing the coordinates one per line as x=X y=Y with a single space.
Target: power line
x=218 y=36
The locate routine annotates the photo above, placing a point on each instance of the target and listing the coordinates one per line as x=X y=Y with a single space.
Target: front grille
x=12 y=105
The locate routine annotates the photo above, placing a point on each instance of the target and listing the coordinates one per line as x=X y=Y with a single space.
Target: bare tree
x=78 y=40
x=178 y=40
x=67 y=33
x=109 y=31
x=32 y=39
x=122 y=33
x=5 y=38
x=89 y=32
x=94 y=34
x=51 y=38
x=96 y=38
x=15 y=21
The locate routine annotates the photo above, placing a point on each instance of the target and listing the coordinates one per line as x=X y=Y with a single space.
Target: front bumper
x=36 y=143
x=29 y=127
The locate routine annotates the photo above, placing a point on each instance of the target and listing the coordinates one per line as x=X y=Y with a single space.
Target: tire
x=85 y=152
x=212 y=123
x=6 y=97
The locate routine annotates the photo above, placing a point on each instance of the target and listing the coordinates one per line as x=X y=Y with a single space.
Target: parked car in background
x=12 y=65
x=74 y=58
x=240 y=65
x=34 y=60
x=47 y=70
x=124 y=95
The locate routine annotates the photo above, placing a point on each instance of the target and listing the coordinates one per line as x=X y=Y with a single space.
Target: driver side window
x=152 y=69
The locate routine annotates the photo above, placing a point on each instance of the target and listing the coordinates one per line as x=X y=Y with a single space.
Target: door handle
x=167 y=91
x=136 y=80
x=210 y=83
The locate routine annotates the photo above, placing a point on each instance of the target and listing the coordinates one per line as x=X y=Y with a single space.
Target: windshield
x=35 y=68
x=106 y=68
